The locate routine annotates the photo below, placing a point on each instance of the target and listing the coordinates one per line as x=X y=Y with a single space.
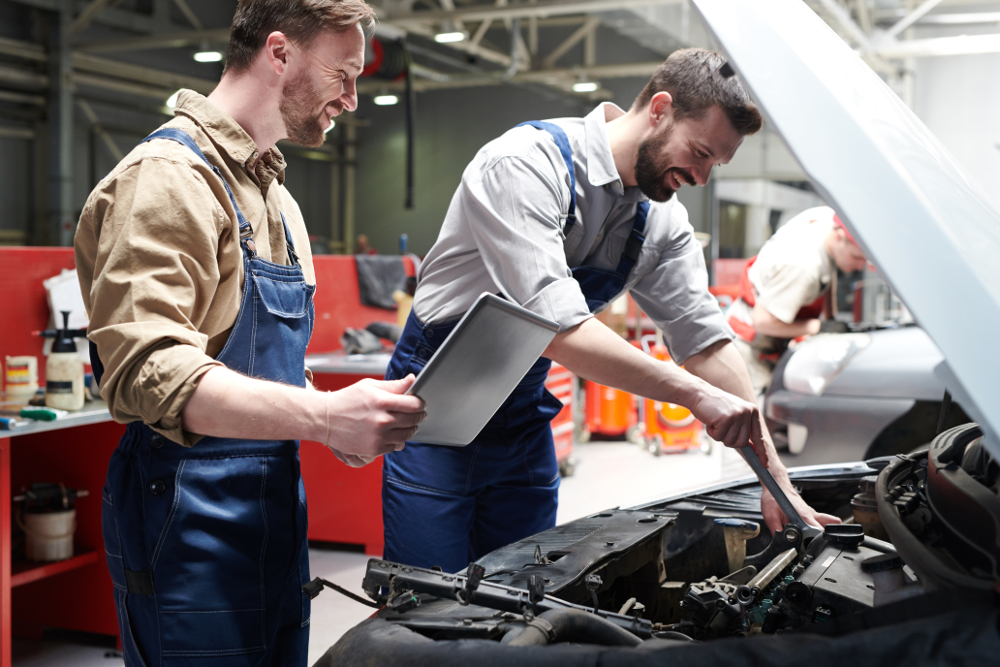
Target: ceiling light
x=386 y=100
x=449 y=37
x=208 y=56
x=172 y=100
x=585 y=87
x=333 y=124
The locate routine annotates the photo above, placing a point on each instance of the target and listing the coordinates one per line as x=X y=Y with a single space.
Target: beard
x=652 y=164
x=298 y=100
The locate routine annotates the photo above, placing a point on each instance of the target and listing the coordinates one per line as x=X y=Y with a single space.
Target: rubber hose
x=573 y=625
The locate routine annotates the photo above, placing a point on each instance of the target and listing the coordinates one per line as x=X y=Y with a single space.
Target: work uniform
x=562 y=243
x=190 y=260
x=789 y=278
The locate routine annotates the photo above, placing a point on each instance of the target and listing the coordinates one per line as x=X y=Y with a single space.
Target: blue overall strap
x=183 y=138
x=293 y=257
x=635 y=240
x=562 y=142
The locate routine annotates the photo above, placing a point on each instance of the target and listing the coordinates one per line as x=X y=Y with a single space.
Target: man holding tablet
x=556 y=217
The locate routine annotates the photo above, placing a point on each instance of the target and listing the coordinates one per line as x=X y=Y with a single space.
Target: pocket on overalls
x=282 y=298
x=112 y=540
x=208 y=564
x=116 y=567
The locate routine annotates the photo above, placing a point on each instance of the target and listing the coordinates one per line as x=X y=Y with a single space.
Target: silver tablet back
x=470 y=376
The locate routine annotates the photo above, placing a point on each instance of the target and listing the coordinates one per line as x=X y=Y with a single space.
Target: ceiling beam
x=842 y=17
x=541 y=9
x=163 y=41
x=115 y=18
x=81 y=22
x=960 y=45
x=562 y=78
x=961 y=19
x=189 y=15
x=578 y=35
x=911 y=18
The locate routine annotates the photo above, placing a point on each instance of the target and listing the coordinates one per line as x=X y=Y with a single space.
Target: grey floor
x=607 y=474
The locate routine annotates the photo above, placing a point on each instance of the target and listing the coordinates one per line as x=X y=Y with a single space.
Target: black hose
x=573 y=625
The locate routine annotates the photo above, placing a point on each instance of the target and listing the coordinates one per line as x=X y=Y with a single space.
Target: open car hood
x=919 y=217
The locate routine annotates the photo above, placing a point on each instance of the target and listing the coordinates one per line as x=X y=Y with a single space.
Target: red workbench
x=345 y=504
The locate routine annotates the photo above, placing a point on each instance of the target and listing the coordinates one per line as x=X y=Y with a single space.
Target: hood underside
x=920 y=218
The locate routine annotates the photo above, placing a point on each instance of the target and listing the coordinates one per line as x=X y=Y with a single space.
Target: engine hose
x=573 y=625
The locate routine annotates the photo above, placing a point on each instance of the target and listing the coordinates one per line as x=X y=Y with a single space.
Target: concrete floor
x=607 y=474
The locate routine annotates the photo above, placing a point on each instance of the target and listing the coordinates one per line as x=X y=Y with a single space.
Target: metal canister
x=865 y=507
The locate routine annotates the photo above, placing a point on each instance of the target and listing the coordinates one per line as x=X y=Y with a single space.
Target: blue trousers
x=171 y=515
x=448 y=506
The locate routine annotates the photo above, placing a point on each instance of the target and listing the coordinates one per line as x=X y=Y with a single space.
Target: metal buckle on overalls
x=246 y=237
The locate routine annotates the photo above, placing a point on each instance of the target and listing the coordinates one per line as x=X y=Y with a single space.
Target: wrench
x=767 y=480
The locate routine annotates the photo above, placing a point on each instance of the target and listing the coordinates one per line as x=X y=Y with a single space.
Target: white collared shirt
x=504 y=234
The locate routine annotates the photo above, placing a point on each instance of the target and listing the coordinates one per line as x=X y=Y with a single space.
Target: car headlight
x=818 y=360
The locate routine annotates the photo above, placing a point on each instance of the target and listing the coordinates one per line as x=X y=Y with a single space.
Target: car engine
x=917 y=561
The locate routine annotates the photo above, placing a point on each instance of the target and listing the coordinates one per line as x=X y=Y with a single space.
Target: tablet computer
x=473 y=372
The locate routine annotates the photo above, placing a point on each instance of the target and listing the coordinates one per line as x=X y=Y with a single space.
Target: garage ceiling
x=547 y=42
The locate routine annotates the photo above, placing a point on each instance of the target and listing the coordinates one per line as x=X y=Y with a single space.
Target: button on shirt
x=504 y=233
x=160 y=264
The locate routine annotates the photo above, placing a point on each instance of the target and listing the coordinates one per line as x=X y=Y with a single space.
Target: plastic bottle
x=64 y=371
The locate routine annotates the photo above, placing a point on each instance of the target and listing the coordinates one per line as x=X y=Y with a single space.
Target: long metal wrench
x=784 y=503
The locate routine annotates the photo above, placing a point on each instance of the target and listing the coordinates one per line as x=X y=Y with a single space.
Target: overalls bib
x=447 y=506
x=207 y=544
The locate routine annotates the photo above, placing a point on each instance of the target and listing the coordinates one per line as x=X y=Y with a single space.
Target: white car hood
x=920 y=218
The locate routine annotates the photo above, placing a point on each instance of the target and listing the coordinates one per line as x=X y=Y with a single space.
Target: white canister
x=48 y=535
x=22 y=377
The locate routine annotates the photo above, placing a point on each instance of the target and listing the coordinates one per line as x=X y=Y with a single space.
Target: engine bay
x=920 y=538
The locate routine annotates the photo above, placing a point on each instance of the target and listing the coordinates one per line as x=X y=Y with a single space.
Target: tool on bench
x=750 y=454
x=32 y=412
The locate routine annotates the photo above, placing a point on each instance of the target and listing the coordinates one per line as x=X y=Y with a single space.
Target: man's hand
x=353 y=460
x=775 y=518
x=371 y=418
x=731 y=420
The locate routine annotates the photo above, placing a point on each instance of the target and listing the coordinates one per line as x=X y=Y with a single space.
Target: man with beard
x=555 y=216
x=195 y=268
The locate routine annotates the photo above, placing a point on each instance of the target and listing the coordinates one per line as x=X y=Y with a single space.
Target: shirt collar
x=601 y=170
x=230 y=138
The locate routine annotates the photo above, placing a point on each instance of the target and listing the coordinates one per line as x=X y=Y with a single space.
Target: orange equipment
x=667 y=427
x=609 y=412
x=560 y=383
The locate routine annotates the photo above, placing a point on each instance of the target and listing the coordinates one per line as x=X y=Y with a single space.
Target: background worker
x=195 y=269
x=556 y=217
x=787 y=288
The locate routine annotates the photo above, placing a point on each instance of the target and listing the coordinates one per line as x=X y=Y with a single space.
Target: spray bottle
x=64 y=368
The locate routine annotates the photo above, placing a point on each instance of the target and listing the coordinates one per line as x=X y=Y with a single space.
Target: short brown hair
x=694 y=81
x=300 y=20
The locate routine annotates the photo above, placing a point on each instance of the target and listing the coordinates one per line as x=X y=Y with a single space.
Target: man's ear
x=276 y=51
x=660 y=106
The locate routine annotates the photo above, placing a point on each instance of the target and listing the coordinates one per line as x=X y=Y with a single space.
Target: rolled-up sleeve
x=515 y=208
x=147 y=255
x=675 y=294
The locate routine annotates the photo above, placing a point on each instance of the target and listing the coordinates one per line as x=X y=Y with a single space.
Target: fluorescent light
x=585 y=87
x=172 y=100
x=448 y=37
x=208 y=56
x=386 y=100
x=333 y=124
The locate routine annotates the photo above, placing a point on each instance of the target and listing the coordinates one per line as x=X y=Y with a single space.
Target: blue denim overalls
x=207 y=545
x=447 y=506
